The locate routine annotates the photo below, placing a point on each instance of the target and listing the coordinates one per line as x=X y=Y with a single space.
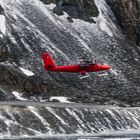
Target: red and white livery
x=82 y=68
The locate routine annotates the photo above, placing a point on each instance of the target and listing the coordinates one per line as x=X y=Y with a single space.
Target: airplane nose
x=108 y=67
x=105 y=67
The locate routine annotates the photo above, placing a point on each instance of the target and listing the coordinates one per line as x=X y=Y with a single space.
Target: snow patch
x=43 y=8
x=37 y=114
x=26 y=72
x=114 y=72
x=60 y=99
x=2 y=24
x=51 y=6
x=18 y=95
x=64 y=16
x=101 y=19
x=80 y=123
x=26 y=45
x=104 y=74
x=54 y=113
x=76 y=23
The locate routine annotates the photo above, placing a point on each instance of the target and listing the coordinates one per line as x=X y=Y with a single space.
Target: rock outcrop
x=1 y=10
x=13 y=79
x=127 y=13
x=82 y=9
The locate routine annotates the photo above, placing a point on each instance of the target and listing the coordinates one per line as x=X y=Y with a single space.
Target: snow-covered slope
x=33 y=28
x=30 y=27
x=2 y=25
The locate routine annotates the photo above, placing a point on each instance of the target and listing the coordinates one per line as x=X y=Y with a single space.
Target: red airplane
x=82 y=68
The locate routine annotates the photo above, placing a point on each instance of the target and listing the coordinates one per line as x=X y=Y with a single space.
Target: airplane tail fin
x=48 y=61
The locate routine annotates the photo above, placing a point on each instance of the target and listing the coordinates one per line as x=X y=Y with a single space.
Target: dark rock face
x=128 y=14
x=1 y=10
x=12 y=79
x=5 y=54
x=82 y=9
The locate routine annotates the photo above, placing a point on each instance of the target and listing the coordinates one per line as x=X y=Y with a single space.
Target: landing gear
x=82 y=76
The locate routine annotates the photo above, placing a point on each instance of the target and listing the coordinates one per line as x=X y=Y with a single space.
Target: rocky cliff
x=83 y=9
x=127 y=13
x=69 y=29
x=36 y=27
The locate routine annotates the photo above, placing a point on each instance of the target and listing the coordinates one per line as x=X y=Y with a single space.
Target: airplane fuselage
x=50 y=65
x=77 y=68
